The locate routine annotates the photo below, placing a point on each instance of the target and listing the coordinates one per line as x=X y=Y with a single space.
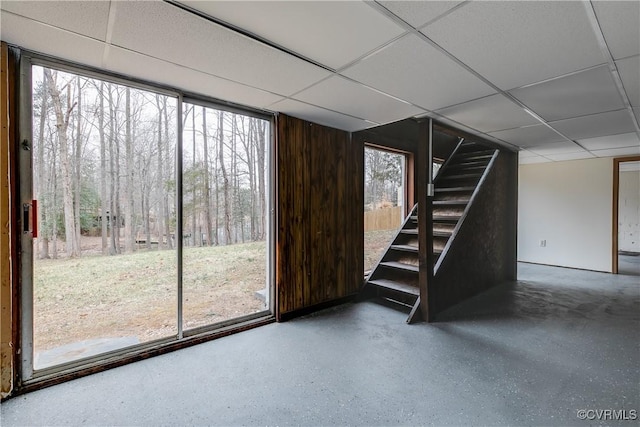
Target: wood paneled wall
x=483 y=253
x=320 y=209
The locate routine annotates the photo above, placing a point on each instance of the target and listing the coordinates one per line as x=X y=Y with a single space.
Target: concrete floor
x=629 y=264
x=527 y=353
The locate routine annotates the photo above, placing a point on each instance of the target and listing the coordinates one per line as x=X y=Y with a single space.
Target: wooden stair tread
x=450 y=202
x=405 y=248
x=446 y=218
x=470 y=156
x=442 y=234
x=400 y=266
x=413 y=231
x=395 y=286
x=452 y=189
x=462 y=176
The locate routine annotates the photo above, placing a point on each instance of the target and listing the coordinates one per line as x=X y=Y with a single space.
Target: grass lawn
x=135 y=295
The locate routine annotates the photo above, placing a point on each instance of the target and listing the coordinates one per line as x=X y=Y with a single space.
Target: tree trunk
x=160 y=179
x=78 y=162
x=225 y=181
x=194 y=198
x=128 y=189
x=112 y=175
x=103 y=172
x=207 y=195
x=40 y=192
x=167 y=222
x=62 y=125
x=260 y=148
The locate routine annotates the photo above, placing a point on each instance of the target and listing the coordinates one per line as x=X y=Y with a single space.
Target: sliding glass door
x=225 y=217
x=144 y=217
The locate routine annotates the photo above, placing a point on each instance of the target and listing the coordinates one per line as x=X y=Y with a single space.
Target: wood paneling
x=483 y=253
x=320 y=212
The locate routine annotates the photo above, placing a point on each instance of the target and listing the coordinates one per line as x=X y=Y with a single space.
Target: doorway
x=626 y=216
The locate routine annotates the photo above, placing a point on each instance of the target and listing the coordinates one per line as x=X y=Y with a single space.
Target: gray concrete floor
x=629 y=264
x=527 y=353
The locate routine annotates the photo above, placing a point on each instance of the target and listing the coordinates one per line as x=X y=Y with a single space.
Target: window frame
x=31 y=378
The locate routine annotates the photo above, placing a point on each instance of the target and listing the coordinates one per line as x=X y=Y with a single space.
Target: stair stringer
x=478 y=253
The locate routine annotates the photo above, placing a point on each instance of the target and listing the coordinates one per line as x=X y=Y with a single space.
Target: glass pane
x=384 y=209
x=225 y=216
x=104 y=177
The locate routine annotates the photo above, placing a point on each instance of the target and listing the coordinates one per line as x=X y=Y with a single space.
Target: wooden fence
x=383 y=219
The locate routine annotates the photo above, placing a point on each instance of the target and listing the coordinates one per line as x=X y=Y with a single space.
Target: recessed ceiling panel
x=331 y=33
x=519 y=42
x=528 y=136
x=412 y=69
x=320 y=115
x=557 y=148
x=489 y=114
x=570 y=156
x=620 y=24
x=588 y=92
x=629 y=70
x=164 y=31
x=49 y=40
x=88 y=18
x=611 y=141
x=155 y=70
x=418 y=13
x=613 y=152
x=341 y=95
x=611 y=123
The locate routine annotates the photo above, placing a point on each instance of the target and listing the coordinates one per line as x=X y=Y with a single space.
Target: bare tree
x=62 y=124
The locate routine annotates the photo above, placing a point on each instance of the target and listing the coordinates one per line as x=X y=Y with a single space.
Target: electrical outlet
x=543 y=243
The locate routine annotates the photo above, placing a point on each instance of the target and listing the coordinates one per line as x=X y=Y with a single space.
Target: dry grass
x=135 y=295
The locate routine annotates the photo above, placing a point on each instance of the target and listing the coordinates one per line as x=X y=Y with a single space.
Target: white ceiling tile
x=513 y=43
x=570 y=156
x=611 y=141
x=533 y=160
x=528 y=136
x=398 y=68
x=588 y=92
x=613 y=152
x=489 y=114
x=202 y=45
x=636 y=111
x=620 y=24
x=144 y=67
x=523 y=154
x=331 y=33
x=611 y=123
x=629 y=70
x=342 y=95
x=556 y=148
x=320 y=115
x=88 y=18
x=49 y=40
x=418 y=13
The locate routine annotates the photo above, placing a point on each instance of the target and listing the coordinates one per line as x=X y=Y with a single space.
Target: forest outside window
x=114 y=169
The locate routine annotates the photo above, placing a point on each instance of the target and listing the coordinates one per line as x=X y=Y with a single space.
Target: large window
x=384 y=201
x=151 y=217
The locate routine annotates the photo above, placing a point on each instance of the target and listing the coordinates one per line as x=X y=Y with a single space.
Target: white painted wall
x=568 y=204
x=629 y=211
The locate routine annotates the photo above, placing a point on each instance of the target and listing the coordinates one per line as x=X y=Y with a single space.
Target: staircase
x=395 y=277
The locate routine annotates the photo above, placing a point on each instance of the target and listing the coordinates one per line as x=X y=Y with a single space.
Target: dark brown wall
x=320 y=210
x=483 y=253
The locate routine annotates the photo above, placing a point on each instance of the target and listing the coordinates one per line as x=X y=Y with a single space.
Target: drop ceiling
x=558 y=80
